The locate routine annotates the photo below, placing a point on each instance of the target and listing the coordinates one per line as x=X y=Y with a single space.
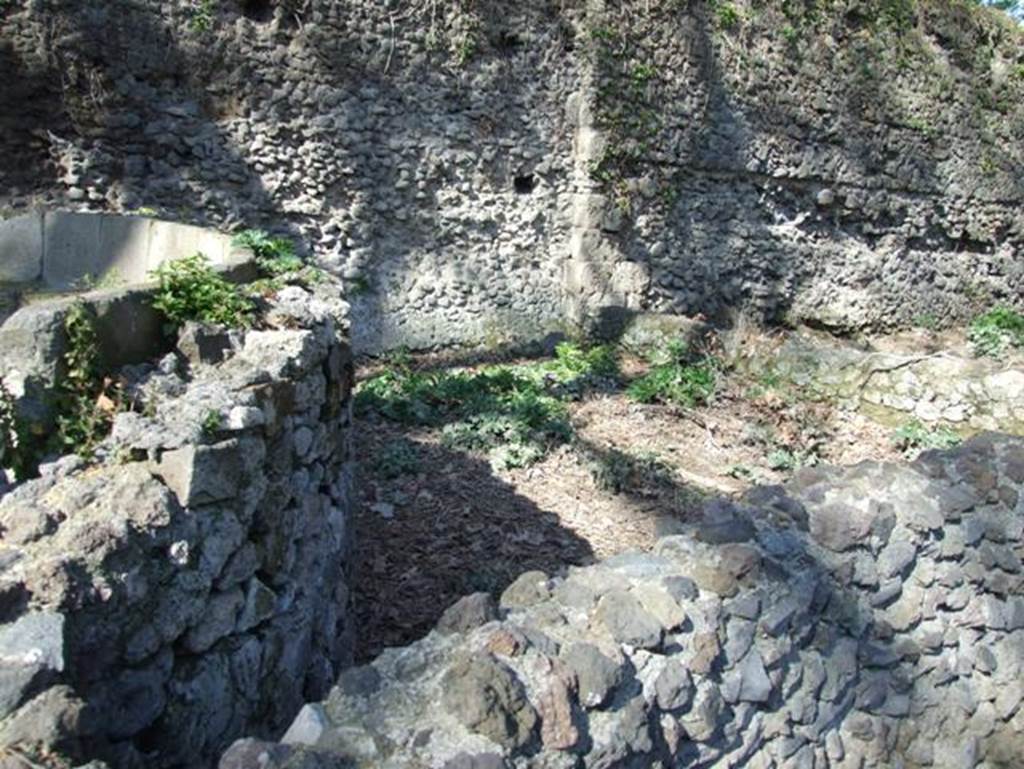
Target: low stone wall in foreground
x=871 y=616
x=192 y=585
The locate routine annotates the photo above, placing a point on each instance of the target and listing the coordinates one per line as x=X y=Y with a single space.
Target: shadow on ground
x=443 y=527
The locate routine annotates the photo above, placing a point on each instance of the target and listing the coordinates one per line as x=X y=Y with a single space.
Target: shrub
x=274 y=256
x=995 y=332
x=675 y=378
x=191 y=290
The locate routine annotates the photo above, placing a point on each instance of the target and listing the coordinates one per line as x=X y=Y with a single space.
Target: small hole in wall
x=148 y=740
x=525 y=184
x=258 y=10
x=508 y=42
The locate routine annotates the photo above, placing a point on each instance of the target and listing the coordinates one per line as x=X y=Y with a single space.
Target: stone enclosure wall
x=916 y=376
x=476 y=171
x=190 y=585
x=871 y=616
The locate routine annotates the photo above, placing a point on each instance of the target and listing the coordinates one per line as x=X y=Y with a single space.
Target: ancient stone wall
x=190 y=584
x=852 y=169
x=915 y=376
x=870 y=616
x=477 y=171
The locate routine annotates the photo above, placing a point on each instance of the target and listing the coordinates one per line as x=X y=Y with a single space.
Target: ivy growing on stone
x=86 y=400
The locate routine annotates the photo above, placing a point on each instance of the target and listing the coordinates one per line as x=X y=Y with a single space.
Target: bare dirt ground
x=447 y=524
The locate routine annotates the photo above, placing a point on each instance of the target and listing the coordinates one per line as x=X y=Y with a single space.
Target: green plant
x=726 y=15
x=897 y=13
x=464 y=49
x=618 y=471
x=914 y=435
x=996 y=332
x=359 y=285
x=91 y=282
x=676 y=377
x=740 y=472
x=397 y=458
x=513 y=414
x=573 y=370
x=928 y=321
x=783 y=460
x=11 y=444
x=212 y=422
x=516 y=427
x=274 y=256
x=202 y=13
x=190 y=289
x=84 y=407
x=922 y=126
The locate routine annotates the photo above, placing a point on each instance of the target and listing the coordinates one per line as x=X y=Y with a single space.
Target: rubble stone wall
x=476 y=171
x=870 y=616
x=191 y=583
x=922 y=381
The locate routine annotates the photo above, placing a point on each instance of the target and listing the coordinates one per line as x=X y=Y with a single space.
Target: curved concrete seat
x=106 y=261
x=60 y=251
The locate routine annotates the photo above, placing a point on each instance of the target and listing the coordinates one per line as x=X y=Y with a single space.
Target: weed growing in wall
x=277 y=262
x=212 y=422
x=726 y=15
x=453 y=26
x=626 y=111
x=190 y=289
x=997 y=332
x=86 y=401
x=201 y=15
x=11 y=442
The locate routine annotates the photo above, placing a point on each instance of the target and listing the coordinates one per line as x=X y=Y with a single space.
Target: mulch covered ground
x=443 y=523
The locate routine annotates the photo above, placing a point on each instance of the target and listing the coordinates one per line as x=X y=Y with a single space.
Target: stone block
x=307 y=727
x=170 y=240
x=32 y=652
x=128 y=328
x=217 y=621
x=72 y=249
x=21 y=248
x=202 y=474
x=123 y=247
x=650 y=331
